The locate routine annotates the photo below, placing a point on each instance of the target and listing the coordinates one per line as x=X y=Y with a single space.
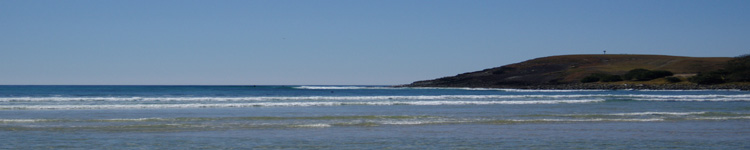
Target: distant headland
x=608 y=72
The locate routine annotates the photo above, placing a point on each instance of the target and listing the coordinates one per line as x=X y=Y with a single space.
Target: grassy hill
x=568 y=69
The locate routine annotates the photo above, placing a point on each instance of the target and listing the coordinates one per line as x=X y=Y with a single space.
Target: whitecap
x=547 y=90
x=289 y=104
x=342 y=87
x=637 y=97
x=271 y=98
x=319 y=125
x=590 y=120
x=22 y=120
x=721 y=118
x=657 y=113
x=133 y=119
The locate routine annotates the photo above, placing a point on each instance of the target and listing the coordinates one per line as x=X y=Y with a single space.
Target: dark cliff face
x=569 y=69
x=501 y=77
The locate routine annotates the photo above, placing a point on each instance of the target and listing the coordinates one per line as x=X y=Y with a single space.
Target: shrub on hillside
x=738 y=69
x=596 y=77
x=632 y=73
x=735 y=70
x=673 y=79
x=743 y=76
x=709 y=78
x=611 y=78
x=589 y=79
x=641 y=74
x=661 y=73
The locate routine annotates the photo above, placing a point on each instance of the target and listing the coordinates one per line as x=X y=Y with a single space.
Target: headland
x=569 y=71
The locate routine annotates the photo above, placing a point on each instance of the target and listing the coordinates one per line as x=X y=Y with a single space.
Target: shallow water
x=368 y=117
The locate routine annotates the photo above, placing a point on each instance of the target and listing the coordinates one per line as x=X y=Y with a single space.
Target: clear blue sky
x=381 y=42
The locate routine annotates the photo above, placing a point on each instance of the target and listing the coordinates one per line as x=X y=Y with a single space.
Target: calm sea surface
x=368 y=117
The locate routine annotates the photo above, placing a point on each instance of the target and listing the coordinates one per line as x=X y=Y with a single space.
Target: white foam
x=547 y=90
x=436 y=88
x=319 y=125
x=696 y=100
x=343 y=87
x=135 y=119
x=590 y=120
x=287 y=104
x=637 y=97
x=690 y=90
x=22 y=120
x=689 y=98
x=507 y=90
x=493 y=102
x=415 y=122
x=458 y=88
x=722 y=118
x=658 y=113
x=219 y=99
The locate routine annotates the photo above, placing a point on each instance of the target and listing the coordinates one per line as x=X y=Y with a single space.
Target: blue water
x=369 y=117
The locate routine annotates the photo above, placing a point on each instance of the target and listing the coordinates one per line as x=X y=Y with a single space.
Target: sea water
x=369 y=117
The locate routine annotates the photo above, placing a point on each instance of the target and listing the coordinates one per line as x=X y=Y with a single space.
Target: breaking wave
x=287 y=104
x=436 y=88
x=658 y=113
x=343 y=87
x=643 y=97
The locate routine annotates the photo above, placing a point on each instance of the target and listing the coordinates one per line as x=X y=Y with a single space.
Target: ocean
x=369 y=117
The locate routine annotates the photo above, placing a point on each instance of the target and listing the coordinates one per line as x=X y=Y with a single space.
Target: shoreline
x=607 y=86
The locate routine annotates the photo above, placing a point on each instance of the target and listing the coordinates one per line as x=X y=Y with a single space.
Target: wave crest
x=289 y=104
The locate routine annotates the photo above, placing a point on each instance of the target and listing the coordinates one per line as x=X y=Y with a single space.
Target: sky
x=340 y=42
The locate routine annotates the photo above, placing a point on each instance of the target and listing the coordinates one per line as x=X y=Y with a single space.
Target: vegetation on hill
x=603 y=77
x=638 y=74
x=641 y=74
x=620 y=69
x=735 y=70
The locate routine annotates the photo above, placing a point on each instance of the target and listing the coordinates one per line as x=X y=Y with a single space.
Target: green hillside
x=568 y=69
